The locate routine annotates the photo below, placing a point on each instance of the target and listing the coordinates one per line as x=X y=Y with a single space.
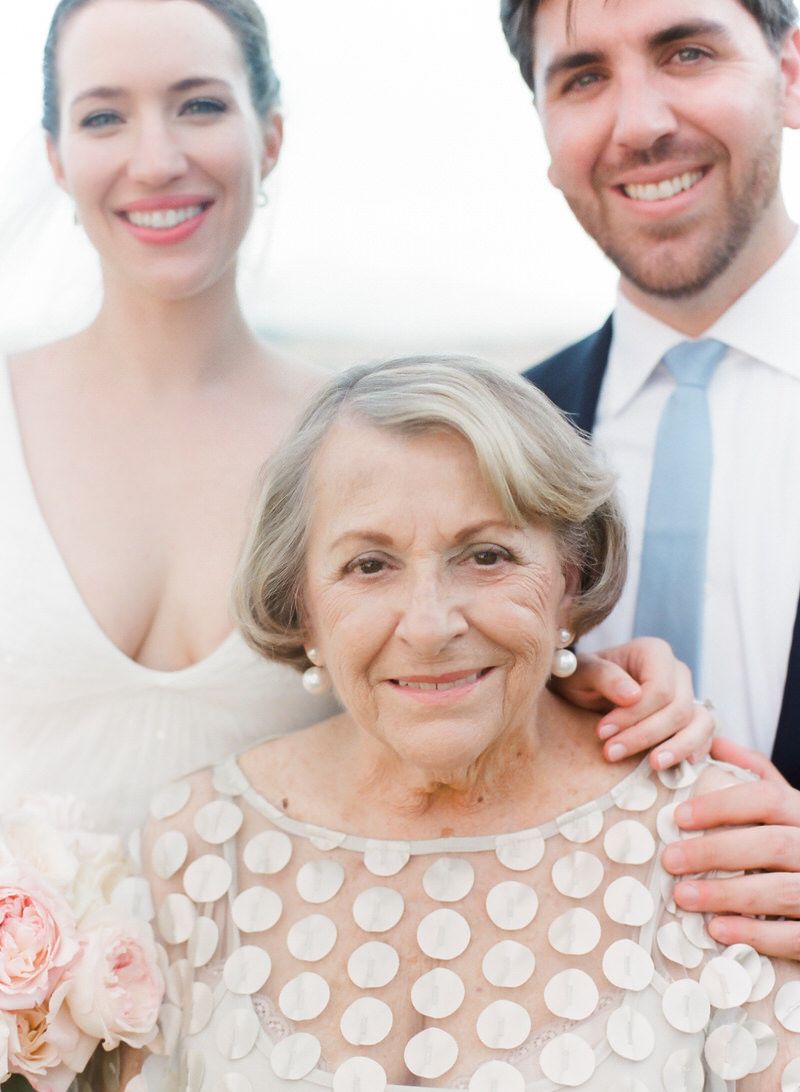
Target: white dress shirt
x=753 y=566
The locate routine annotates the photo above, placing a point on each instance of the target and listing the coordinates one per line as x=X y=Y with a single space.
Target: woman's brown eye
x=487 y=557
x=370 y=566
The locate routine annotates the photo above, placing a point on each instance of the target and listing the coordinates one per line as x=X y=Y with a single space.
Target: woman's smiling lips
x=438 y=688
x=166 y=219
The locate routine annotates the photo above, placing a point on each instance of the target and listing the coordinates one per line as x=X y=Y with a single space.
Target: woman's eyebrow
x=380 y=538
x=101 y=92
x=190 y=83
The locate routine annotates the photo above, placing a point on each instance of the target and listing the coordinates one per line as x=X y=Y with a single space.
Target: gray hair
x=538 y=465
x=243 y=19
x=775 y=17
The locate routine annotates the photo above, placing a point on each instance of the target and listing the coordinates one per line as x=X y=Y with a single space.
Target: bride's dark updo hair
x=242 y=17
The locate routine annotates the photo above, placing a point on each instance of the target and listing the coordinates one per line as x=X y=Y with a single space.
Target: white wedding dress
x=77 y=716
x=303 y=958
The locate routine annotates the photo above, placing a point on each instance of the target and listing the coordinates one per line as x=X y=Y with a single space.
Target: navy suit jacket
x=572 y=379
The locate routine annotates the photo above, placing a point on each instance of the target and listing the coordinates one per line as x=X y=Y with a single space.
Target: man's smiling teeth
x=163 y=218
x=442 y=685
x=659 y=191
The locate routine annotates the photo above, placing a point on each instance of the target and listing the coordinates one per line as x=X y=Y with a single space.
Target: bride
x=128 y=451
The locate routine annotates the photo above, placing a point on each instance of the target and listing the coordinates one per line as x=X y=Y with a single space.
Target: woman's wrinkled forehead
x=426 y=486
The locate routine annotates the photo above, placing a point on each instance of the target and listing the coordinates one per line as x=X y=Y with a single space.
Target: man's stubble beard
x=683 y=276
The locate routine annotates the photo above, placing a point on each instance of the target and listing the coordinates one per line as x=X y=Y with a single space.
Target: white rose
x=26 y=836
x=101 y=866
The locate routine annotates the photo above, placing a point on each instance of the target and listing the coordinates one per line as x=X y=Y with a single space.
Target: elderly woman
x=444 y=885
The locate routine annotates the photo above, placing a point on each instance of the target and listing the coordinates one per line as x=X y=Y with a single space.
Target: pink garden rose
x=38 y=940
x=114 y=991
x=6 y=1027
x=34 y=1053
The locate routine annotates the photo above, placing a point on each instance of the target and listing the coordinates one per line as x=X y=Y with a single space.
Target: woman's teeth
x=163 y=218
x=659 y=191
x=443 y=685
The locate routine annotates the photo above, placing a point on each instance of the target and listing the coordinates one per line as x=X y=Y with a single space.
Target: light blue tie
x=671 y=584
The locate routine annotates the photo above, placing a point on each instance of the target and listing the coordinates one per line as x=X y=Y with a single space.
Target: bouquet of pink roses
x=78 y=962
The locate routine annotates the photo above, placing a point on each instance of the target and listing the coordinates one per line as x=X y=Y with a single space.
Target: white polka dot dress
x=302 y=959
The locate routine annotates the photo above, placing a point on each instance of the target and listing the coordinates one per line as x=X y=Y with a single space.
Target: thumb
x=725 y=750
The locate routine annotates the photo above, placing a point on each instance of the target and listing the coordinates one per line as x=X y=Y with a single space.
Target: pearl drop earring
x=564 y=659
x=316 y=679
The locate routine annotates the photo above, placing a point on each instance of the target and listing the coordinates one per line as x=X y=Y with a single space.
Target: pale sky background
x=410 y=211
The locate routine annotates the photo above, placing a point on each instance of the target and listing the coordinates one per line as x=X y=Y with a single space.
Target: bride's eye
x=204 y=106
x=100 y=119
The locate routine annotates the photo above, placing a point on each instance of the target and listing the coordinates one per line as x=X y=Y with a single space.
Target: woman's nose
x=156 y=157
x=432 y=614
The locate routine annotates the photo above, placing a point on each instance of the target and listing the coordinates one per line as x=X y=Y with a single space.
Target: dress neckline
x=230 y=780
x=92 y=626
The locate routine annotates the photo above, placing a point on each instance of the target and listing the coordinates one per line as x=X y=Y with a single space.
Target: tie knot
x=693 y=362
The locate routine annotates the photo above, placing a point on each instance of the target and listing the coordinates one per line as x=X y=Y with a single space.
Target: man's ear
x=790 y=74
x=272 y=137
x=553 y=175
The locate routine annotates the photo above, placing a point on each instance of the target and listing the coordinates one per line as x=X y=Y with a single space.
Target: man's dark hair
x=774 y=17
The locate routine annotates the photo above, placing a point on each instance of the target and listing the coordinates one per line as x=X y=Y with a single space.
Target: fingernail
x=683 y=813
x=615 y=752
x=606 y=731
x=664 y=759
x=687 y=894
x=721 y=931
x=674 y=858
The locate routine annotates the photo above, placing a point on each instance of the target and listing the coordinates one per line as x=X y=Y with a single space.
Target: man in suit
x=664 y=125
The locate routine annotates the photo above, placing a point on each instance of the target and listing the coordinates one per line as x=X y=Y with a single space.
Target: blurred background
x=410 y=211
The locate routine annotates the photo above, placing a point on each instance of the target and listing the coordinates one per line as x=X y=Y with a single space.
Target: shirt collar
x=764 y=323
x=638 y=344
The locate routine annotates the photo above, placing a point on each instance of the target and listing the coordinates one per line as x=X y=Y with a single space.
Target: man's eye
x=582 y=81
x=690 y=54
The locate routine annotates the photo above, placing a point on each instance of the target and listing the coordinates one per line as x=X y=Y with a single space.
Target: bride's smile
x=160 y=145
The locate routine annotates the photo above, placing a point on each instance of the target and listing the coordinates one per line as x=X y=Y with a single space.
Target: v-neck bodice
x=77 y=715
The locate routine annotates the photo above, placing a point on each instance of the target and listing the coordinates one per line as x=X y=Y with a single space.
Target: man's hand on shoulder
x=646 y=697
x=765 y=815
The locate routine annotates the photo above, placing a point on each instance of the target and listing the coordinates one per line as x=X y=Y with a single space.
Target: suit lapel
x=786 y=750
x=593 y=367
x=573 y=377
